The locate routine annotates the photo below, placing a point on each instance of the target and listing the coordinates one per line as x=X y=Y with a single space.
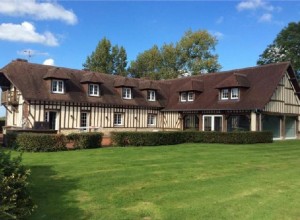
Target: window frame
x=126 y=93
x=84 y=121
x=91 y=89
x=237 y=93
x=151 y=120
x=118 y=119
x=192 y=97
x=183 y=97
x=151 y=95
x=222 y=94
x=56 y=89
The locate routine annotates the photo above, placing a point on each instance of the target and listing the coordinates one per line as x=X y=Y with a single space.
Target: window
x=151 y=96
x=224 y=94
x=83 y=120
x=212 y=122
x=151 y=120
x=234 y=93
x=126 y=93
x=191 y=96
x=183 y=97
x=94 y=90
x=118 y=119
x=57 y=86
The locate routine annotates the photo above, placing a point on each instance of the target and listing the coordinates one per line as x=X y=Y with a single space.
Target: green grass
x=188 y=181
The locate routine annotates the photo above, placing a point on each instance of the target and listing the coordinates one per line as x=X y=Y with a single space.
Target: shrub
x=86 y=140
x=15 y=200
x=40 y=142
x=170 y=138
x=10 y=140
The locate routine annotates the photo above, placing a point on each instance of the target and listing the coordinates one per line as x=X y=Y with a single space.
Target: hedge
x=41 y=142
x=178 y=137
x=86 y=140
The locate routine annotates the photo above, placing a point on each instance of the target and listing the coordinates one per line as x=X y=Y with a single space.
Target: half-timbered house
x=45 y=97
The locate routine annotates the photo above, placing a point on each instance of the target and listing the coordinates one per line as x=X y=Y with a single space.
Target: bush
x=10 y=140
x=15 y=200
x=40 y=142
x=170 y=138
x=86 y=140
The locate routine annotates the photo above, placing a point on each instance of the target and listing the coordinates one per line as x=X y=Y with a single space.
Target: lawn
x=188 y=181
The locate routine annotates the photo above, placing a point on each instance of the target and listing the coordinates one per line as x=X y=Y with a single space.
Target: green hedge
x=86 y=140
x=40 y=142
x=178 y=137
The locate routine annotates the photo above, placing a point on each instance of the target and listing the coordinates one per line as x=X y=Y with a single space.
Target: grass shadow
x=52 y=195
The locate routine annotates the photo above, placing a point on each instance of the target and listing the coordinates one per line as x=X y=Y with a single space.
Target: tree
x=285 y=47
x=107 y=59
x=193 y=54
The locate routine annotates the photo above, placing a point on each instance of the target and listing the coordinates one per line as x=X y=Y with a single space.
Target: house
x=45 y=97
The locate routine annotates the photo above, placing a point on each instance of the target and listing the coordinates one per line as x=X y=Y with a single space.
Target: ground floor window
x=51 y=118
x=290 y=127
x=238 y=123
x=118 y=119
x=271 y=123
x=212 y=123
x=191 y=121
x=151 y=121
x=84 y=121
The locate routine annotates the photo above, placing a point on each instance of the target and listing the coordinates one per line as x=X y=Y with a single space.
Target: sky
x=64 y=33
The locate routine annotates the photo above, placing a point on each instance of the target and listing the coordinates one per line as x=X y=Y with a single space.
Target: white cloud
x=40 y=11
x=25 y=32
x=217 y=34
x=267 y=17
x=254 y=4
x=49 y=62
x=220 y=20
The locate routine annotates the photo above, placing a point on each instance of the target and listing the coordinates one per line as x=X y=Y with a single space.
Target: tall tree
x=107 y=59
x=193 y=54
x=285 y=47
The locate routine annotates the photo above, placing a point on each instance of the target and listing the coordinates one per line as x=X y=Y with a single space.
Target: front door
x=212 y=123
x=50 y=117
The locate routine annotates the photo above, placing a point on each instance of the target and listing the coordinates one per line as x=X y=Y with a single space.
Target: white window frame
x=212 y=121
x=126 y=93
x=234 y=93
x=84 y=116
x=183 y=97
x=94 y=90
x=224 y=94
x=57 y=86
x=151 y=95
x=190 y=96
x=118 y=119
x=151 y=120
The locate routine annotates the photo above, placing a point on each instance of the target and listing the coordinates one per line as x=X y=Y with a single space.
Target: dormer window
x=183 y=97
x=94 y=90
x=57 y=86
x=224 y=94
x=234 y=93
x=191 y=96
x=151 y=95
x=126 y=93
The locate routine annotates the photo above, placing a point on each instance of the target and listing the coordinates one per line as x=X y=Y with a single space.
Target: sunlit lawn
x=188 y=181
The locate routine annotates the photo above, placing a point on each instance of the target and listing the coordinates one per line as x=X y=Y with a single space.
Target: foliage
x=285 y=47
x=192 y=54
x=107 y=59
x=40 y=142
x=169 y=138
x=10 y=140
x=15 y=200
x=86 y=140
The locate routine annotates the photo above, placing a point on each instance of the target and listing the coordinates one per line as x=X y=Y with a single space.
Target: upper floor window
x=126 y=93
x=183 y=97
x=57 y=86
x=118 y=119
x=94 y=90
x=224 y=94
x=234 y=93
x=191 y=96
x=151 y=96
x=151 y=121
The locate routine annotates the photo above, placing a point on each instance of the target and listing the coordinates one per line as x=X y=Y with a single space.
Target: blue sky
x=64 y=33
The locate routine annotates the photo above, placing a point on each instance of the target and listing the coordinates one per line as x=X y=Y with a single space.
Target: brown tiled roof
x=192 y=85
x=91 y=77
x=257 y=85
x=56 y=73
x=234 y=80
x=148 y=84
